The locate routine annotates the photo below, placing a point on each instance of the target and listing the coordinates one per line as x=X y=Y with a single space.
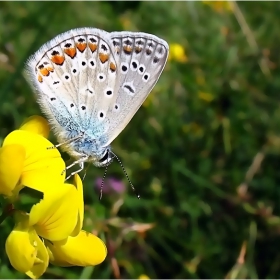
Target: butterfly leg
x=77 y=171
x=66 y=142
x=80 y=162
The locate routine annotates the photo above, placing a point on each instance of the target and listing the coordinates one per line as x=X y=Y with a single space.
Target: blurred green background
x=203 y=151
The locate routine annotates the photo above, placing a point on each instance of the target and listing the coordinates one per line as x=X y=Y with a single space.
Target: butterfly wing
x=72 y=74
x=140 y=59
x=89 y=80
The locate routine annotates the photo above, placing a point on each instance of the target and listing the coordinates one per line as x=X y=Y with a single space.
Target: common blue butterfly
x=90 y=83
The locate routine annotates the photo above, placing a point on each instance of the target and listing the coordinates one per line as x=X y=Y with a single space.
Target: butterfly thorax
x=88 y=148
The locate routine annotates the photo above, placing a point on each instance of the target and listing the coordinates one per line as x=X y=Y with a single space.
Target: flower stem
x=7 y=211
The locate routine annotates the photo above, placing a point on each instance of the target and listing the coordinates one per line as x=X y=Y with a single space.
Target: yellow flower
x=52 y=229
x=143 y=276
x=25 y=159
x=57 y=219
x=206 y=96
x=126 y=22
x=219 y=6
x=177 y=53
x=25 y=250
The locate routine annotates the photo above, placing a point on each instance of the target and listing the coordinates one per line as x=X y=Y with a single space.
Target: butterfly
x=90 y=83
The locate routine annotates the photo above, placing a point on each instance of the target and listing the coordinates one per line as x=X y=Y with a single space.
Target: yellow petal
x=84 y=249
x=206 y=96
x=11 y=166
x=20 y=251
x=143 y=276
x=46 y=178
x=80 y=197
x=42 y=259
x=26 y=250
x=177 y=53
x=42 y=167
x=37 y=125
x=55 y=216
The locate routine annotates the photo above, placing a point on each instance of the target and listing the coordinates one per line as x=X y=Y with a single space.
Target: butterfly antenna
x=102 y=183
x=126 y=175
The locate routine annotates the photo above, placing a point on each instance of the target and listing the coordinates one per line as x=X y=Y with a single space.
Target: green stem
x=7 y=211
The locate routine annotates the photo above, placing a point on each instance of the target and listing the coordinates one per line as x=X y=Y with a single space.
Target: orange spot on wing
x=113 y=67
x=127 y=49
x=49 y=68
x=92 y=47
x=58 y=59
x=81 y=46
x=40 y=79
x=138 y=49
x=103 y=57
x=70 y=51
x=44 y=72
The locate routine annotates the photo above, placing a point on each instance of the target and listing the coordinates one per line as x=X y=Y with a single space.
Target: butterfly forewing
x=67 y=74
x=47 y=80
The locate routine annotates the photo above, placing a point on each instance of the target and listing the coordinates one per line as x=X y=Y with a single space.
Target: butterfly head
x=106 y=158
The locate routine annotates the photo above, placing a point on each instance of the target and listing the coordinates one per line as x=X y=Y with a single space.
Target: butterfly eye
x=106 y=158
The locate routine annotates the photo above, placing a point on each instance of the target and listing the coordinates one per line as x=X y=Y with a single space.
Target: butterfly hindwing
x=140 y=60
